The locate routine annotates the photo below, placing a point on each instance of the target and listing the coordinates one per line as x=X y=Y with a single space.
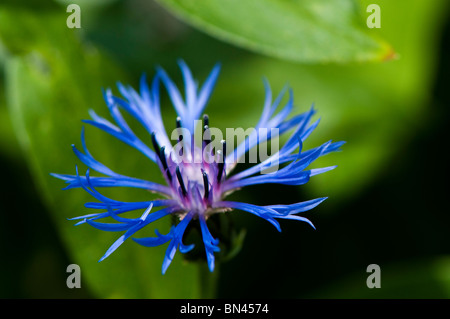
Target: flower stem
x=208 y=281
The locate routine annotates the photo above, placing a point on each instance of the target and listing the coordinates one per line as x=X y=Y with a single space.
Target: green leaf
x=51 y=83
x=375 y=108
x=301 y=31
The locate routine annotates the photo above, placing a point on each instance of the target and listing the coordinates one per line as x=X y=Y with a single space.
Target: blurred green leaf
x=374 y=107
x=51 y=81
x=377 y=108
x=8 y=143
x=301 y=31
x=84 y=3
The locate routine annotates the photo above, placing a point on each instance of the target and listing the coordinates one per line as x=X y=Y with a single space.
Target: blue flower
x=195 y=185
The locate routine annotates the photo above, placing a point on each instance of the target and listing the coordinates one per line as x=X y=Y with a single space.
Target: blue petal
x=134 y=228
x=186 y=248
x=73 y=182
x=176 y=241
x=281 y=116
x=174 y=94
x=276 y=122
x=260 y=211
x=92 y=191
x=298 y=207
x=317 y=171
x=155 y=241
x=118 y=118
x=89 y=160
x=295 y=217
x=128 y=206
x=210 y=243
x=190 y=87
x=109 y=226
x=269 y=107
x=206 y=90
x=276 y=178
x=145 y=91
x=267 y=103
x=130 y=140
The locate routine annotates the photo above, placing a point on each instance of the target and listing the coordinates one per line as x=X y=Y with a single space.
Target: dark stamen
x=156 y=146
x=205 y=119
x=162 y=157
x=224 y=149
x=221 y=164
x=180 y=135
x=206 y=136
x=180 y=180
x=205 y=184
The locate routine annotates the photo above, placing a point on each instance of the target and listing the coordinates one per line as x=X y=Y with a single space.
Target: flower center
x=195 y=173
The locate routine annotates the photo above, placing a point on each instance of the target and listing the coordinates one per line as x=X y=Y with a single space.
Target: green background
x=384 y=91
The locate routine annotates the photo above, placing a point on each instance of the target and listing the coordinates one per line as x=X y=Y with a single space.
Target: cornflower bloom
x=197 y=179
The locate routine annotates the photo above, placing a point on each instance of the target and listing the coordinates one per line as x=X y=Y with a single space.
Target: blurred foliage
x=42 y=114
x=53 y=75
x=302 y=31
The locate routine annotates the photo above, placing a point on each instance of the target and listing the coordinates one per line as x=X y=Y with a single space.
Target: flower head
x=198 y=174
